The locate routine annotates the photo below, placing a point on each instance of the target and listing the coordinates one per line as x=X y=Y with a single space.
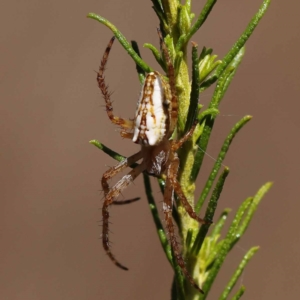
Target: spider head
x=152 y=113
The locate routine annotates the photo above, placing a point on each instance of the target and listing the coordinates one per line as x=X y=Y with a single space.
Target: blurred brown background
x=50 y=175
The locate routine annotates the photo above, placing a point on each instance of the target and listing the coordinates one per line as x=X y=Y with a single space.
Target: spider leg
x=178 y=190
x=177 y=144
x=128 y=201
x=127 y=124
x=126 y=135
x=187 y=206
x=167 y=210
x=173 y=111
x=113 y=193
x=117 y=169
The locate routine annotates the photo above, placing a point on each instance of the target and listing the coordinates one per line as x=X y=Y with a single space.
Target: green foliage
x=204 y=251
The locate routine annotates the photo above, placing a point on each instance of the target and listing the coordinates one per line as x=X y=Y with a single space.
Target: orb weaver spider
x=154 y=123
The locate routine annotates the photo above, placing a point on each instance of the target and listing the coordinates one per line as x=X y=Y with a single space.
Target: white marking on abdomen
x=156 y=127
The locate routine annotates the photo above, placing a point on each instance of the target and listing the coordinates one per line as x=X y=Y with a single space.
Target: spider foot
x=114 y=260
x=121 y=202
x=121 y=266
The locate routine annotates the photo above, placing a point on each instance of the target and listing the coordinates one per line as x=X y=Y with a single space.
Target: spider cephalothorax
x=152 y=128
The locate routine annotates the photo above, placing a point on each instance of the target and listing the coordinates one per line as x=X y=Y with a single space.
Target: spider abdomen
x=151 y=118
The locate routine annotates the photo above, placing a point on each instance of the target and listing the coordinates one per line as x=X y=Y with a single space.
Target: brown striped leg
x=117 y=169
x=173 y=113
x=177 y=144
x=106 y=95
x=113 y=194
x=178 y=190
x=188 y=208
x=167 y=210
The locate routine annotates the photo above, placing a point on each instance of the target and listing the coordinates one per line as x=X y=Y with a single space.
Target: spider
x=155 y=120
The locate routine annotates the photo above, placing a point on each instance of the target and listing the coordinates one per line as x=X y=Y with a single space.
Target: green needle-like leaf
x=237 y=220
x=174 y=293
x=121 y=38
x=239 y=44
x=156 y=55
x=140 y=71
x=205 y=52
x=233 y=65
x=107 y=150
x=210 y=211
x=212 y=205
x=178 y=61
x=179 y=281
x=192 y=113
x=209 y=123
x=170 y=12
x=207 y=65
x=201 y=19
x=256 y=200
x=157 y=6
x=219 y=90
x=213 y=112
x=189 y=238
x=239 y=293
x=202 y=145
x=219 y=160
x=159 y=227
x=225 y=246
x=238 y=273
x=184 y=21
x=220 y=223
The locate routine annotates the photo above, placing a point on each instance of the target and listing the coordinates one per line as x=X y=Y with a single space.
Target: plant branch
x=239 y=44
x=238 y=273
x=219 y=160
x=121 y=38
